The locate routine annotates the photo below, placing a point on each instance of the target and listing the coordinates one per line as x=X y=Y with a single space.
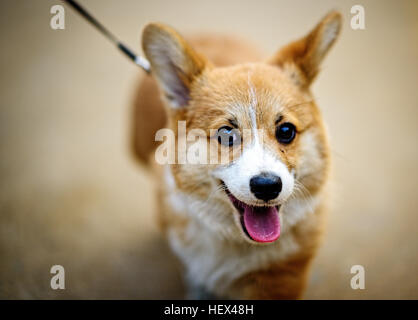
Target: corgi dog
x=247 y=227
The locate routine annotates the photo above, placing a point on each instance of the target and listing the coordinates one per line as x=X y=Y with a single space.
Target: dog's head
x=261 y=115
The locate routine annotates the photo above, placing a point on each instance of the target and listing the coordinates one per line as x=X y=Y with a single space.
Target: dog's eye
x=228 y=136
x=285 y=133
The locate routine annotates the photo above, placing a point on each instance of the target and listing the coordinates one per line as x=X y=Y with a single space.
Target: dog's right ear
x=301 y=59
x=174 y=64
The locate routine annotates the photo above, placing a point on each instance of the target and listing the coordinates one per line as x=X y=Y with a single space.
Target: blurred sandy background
x=71 y=194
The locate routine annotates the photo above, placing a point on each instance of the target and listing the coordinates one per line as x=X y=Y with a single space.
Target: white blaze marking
x=253 y=105
x=254 y=160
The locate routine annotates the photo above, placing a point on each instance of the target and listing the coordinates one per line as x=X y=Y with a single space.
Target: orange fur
x=204 y=86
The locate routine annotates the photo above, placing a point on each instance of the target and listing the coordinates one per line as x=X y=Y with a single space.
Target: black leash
x=140 y=61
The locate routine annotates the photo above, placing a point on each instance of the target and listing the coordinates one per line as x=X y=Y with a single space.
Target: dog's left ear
x=174 y=63
x=301 y=59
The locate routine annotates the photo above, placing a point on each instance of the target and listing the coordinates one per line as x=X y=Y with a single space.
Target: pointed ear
x=301 y=59
x=174 y=64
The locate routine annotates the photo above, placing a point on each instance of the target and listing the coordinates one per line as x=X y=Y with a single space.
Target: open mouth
x=260 y=223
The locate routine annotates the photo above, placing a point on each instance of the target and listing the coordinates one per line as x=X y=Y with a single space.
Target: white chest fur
x=214 y=263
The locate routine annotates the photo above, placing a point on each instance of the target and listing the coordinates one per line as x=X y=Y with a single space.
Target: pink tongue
x=262 y=224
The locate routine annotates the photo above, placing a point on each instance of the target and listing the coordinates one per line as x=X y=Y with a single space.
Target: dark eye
x=228 y=136
x=285 y=133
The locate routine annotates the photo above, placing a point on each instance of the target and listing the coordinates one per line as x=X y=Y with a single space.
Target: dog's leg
x=286 y=280
x=198 y=292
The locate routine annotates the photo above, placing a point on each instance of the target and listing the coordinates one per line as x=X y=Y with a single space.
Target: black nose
x=266 y=186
